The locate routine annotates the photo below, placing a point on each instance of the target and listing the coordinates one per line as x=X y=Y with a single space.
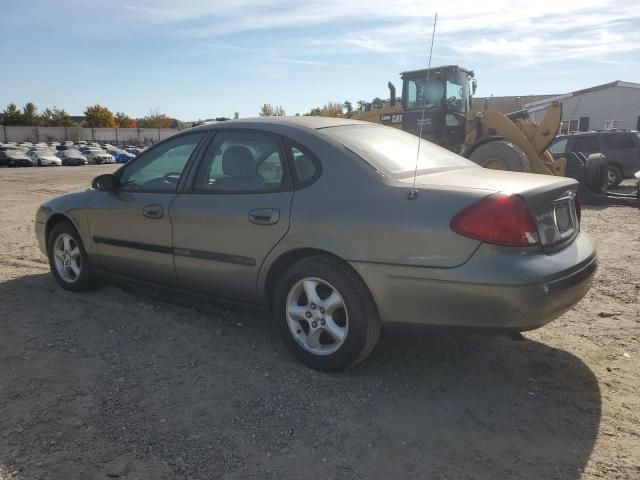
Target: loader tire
x=597 y=175
x=501 y=155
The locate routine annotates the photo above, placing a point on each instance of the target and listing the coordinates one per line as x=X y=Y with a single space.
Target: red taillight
x=500 y=219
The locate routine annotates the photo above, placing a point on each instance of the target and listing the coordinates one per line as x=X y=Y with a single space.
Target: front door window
x=160 y=169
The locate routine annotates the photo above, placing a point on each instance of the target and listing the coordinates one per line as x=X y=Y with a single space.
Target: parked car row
x=27 y=154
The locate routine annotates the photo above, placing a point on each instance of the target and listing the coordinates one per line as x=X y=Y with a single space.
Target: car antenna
x=413 y=193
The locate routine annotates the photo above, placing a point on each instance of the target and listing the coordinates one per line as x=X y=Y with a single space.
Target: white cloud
x=530 y=32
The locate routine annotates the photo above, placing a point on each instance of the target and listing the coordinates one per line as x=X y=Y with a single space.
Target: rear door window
x=242 y=162
x=586 y=144
x=618 y=141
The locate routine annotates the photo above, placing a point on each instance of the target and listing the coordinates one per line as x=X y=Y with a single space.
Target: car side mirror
x=106 y=182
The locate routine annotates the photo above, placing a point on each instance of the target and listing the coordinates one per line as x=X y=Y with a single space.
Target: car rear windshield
x=394 y=152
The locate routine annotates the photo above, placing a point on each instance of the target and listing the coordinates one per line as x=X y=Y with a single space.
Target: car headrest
x=237 y=161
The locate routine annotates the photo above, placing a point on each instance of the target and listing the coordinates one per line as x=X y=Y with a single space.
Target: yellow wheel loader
x=436 y=104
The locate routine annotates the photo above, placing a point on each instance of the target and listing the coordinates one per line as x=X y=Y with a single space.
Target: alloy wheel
x=68 y=258
x=317 y=316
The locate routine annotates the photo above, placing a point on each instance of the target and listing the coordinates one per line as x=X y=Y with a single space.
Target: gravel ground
x=125 y=383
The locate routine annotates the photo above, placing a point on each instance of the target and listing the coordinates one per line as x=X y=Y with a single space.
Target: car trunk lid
x=551 y=199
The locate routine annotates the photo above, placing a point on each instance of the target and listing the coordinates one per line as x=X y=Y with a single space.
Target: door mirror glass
x=105 y=182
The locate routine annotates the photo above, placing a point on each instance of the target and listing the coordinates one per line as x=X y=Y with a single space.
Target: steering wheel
x=451 y=102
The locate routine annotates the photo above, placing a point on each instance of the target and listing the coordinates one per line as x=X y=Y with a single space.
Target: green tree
x=377 y=103
x=349 y=108
x=97 y=116
x=122 y=120
x=267 y=110
x=30 y=114
x=362 y=106
x=330 y=109
x=155 y=119
x=236 y=115
x=11 y=115
x=56 y=117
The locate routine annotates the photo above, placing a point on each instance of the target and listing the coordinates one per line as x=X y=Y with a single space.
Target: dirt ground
x=123 y=382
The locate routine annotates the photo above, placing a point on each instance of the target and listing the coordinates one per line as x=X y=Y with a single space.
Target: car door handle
x=264 y=216
x=153 y=211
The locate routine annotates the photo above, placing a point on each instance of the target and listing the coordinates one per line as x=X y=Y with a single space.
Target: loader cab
x=445 y=95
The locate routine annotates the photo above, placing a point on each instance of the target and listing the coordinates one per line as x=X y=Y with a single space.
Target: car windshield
x=15 y=153
x=394 y=152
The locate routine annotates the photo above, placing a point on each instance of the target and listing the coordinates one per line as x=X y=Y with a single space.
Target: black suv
x=620 y=147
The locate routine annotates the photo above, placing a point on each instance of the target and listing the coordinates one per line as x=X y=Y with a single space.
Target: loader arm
x=531 y=137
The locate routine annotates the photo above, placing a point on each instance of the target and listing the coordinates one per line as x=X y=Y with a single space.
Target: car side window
x=160 y=169
x=586 y=144
x=559 y=145
x=618 y=141
x=304 y=164
x=238 y=162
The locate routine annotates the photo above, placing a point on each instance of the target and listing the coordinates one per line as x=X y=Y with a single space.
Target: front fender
x=71 y=206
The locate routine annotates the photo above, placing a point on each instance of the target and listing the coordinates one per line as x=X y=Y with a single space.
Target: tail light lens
x=499 y=219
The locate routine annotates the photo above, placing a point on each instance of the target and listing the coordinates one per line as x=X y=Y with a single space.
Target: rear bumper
x=506 y=299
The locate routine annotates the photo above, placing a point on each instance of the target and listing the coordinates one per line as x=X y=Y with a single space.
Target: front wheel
x=326 y=314
x=501 y=155
x=614 y=176
x=68 y=259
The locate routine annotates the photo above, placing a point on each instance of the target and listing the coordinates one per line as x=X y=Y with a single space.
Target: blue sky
x=198 y=59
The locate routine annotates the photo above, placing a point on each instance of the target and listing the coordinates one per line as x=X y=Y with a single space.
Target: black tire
x=86 y=280
x=501 y=155
x=364 y=325
x=597 y=174
x=39 y=163
x=614 y=176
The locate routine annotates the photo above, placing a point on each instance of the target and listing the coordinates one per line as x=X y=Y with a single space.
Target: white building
x=603 y=107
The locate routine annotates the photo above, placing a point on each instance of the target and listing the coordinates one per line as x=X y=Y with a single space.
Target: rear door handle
x=153 y=211
x=264 y=216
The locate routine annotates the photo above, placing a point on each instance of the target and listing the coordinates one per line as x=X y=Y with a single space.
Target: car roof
x=595 y=132
x=297 y=122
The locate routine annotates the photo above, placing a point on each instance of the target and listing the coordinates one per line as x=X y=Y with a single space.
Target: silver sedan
x=337 y=227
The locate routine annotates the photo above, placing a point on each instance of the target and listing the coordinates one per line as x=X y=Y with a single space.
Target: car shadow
x=118 y=377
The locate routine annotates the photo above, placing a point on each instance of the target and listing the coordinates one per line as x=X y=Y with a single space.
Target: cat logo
x=390 y=119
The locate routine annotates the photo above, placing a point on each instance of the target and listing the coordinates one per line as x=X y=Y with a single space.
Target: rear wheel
x=614 y=176
x=597 y=173
x=325 y=314
x=501 y=155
